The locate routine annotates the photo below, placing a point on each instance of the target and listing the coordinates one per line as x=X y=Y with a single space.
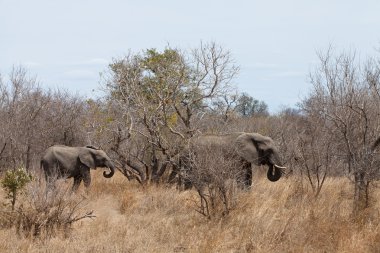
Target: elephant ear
x=87 y=159
x=262 y=142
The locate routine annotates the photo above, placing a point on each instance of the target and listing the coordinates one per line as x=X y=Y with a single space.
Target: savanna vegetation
x=155 y=103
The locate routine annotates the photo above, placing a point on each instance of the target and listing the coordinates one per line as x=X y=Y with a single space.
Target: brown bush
x=45 y=212
x=280 y=217
x=215 y=174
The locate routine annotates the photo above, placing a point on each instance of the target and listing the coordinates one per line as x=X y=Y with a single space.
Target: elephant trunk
x=111 y=166
x=274 y=173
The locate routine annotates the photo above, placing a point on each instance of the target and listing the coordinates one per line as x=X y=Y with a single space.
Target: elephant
x=61 y=161
x=249 y=149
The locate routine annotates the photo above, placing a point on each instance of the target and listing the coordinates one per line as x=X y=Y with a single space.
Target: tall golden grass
x=271 y=217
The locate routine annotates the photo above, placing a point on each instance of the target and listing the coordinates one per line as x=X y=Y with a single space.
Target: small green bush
x=13 y=182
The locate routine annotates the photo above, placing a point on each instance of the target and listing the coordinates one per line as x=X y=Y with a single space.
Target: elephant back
x=211 y=141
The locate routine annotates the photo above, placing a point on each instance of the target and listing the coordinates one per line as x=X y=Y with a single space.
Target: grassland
x=272 y=217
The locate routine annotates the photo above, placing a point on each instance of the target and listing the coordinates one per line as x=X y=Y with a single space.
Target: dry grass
x=272 y=217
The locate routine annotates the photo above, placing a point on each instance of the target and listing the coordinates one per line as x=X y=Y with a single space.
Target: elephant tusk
x=279 y=167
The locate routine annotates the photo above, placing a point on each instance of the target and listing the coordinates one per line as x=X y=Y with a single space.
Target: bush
x=45 y=212
x=13 y=182
x=215 y=175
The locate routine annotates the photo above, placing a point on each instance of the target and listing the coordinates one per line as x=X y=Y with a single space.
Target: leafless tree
x=315 y=154
x=33 y=119
x=213 y=174
x=346 y=100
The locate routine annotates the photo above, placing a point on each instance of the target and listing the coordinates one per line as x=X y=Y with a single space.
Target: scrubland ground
x=271 y=217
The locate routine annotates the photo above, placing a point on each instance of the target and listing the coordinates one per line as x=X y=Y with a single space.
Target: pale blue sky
x=67 y=43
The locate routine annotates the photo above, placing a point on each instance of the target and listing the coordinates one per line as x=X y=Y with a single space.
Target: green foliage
x=172 y=119
x=152 y=78
x=248 y=106
x=157 y=87
x=163 y=72
x=13 y=182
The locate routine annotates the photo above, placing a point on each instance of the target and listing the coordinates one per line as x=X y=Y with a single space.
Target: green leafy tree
x=248 y=106
x=163 y=94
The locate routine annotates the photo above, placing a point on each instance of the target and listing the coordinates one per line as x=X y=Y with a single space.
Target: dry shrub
x=271 y=217
x=290 y=219
x=43 y=212
x=214 y=173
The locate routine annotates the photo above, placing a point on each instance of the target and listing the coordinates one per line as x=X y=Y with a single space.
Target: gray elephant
x=65 y=162
x=249 y=149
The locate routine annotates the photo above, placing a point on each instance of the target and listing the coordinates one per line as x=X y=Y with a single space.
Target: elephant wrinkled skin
x=65 y=162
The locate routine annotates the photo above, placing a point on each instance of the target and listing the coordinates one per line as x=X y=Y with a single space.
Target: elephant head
x=93 y=157
x=260 y=150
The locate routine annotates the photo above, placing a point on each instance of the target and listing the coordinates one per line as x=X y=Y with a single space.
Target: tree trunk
x=361 y=197
x=28 y=158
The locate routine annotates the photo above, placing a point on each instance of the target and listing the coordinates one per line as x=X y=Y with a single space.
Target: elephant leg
x=187 y=184
x=77 y=180
x=87 y=178
x=172 y=175
x=246 y=177
x=50 y=180
x=184 y=180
